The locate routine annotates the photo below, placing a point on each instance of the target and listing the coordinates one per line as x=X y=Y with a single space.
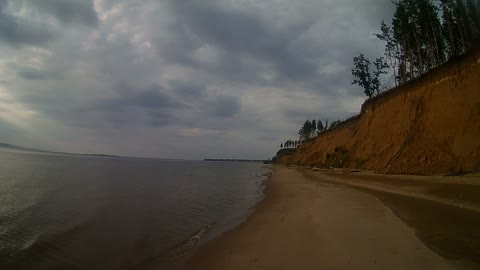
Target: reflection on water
x=73 y=212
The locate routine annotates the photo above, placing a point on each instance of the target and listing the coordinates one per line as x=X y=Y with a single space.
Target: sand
x=319 y=220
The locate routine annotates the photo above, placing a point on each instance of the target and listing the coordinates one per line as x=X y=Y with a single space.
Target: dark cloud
x=72 y=11
x=18 y=31
x=150 y=101
x=151 y=97
x=33 y=73
x=225 y=107
x=187 y=89
x=159 y=118
x=241 y=34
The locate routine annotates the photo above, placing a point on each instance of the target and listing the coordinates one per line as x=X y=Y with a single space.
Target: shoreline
x=177 y=256
x=286 y=230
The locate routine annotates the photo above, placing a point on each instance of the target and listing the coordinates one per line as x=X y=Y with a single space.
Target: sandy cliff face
x=428 y=126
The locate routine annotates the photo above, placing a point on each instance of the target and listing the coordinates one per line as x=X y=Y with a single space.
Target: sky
x=184 y=79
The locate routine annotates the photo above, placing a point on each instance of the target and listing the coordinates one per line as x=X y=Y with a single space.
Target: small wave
x=30 y=242
x=175 y=255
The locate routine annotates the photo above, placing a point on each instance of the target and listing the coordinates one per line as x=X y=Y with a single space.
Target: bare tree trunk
x=453 y=46
x=419 y=51
x=437 y=50
x=411 y=60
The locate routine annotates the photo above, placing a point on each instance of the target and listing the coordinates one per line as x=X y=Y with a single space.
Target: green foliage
x=340 y=158
x=289 y=144
x=425 y=33
x=335 y=123
x=392 y=49
x=308 y=130
x=369 y=81
x=320 y=127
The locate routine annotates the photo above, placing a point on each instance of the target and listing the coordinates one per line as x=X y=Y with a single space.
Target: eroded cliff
x=428 y=126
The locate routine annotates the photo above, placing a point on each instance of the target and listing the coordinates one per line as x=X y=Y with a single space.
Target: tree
x=319 y=126
x=314 y=128
x=424 y=34
x=431 y=45
x=392 y=50
x=301 y=134
x=450 y=28
x=361 y=71
x=474 y=14
x=335 y=123
x=307 y=131
x=368 y=81
x=380 y=66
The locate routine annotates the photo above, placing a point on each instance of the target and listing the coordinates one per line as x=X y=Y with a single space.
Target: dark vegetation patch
x=340 y=158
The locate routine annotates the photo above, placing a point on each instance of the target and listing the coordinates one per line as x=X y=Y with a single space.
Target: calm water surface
x=74 y=212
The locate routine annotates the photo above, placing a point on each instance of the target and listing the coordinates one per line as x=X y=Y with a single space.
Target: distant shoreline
x=19 y=148
x=235 y=160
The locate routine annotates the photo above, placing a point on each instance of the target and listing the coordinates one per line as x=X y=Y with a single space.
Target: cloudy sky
x=178 y=78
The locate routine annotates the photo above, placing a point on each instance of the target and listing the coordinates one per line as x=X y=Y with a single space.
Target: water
x=74 y=212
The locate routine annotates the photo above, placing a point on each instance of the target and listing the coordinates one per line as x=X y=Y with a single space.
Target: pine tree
x=314 y=128
x=319 y=125
x=392 y=50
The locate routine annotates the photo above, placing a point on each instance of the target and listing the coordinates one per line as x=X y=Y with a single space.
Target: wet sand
x=328 y=220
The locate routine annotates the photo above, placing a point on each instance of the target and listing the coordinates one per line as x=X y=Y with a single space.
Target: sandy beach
x=336 y=220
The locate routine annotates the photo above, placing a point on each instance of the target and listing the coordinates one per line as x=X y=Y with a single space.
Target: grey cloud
x=18 y=31
x=7 y=131
x=187 y=89
x=176 y=49
x=225 y=107
x=241 y=35
x=72 y=11
x=159 y=118
x=151 y=97
x=184 y=65
x=150 y=102
x=299 y=116
x=330 y=111
x=33 y=73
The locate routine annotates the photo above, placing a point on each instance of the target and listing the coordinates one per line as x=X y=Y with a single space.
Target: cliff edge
x=430 y=125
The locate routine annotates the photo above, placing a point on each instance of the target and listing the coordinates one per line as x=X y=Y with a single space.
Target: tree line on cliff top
x=423 y=34
x=309 y=130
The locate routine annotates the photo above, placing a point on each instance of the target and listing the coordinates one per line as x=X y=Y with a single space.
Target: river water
x=81 y=212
